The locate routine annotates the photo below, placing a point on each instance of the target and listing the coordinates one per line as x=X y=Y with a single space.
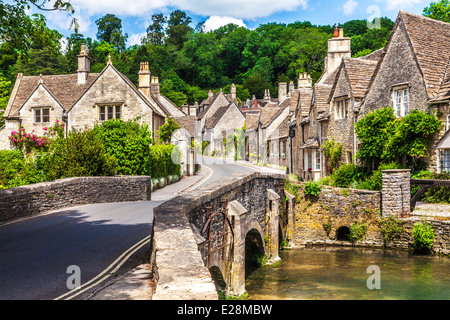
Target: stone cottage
x=413 y=74
x=80 y=100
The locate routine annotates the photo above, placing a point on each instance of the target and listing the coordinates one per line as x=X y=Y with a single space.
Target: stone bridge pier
x=232 y=221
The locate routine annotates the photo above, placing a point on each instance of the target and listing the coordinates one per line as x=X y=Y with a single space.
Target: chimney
x=267 y=95
x=338 y=48
x=154 y=86
x=233 y=91
x=291 y=88
x=210 y=94
x=185 y=108
x=145 y=79
x=84 y=65
x=282 y=91
x=304 y=80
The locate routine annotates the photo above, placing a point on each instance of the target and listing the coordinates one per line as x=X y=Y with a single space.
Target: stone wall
x=396 y=192
x=335 y=207
x=47 y=196
x=179 y=259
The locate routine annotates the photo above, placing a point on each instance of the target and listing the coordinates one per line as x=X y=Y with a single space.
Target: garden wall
x=37 y=198
x=317 y=220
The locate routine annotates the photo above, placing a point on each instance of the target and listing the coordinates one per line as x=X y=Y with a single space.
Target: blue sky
x=136 y=14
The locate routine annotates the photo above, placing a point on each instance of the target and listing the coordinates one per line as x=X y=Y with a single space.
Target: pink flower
x=57 y=120
x=40 y=144
x=45 y=129
x=15 y=140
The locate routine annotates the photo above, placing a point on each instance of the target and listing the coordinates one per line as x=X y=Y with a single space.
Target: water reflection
x=340 y=274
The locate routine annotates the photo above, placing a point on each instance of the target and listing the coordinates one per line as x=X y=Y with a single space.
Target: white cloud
x=215 y=22
x=247 y=9
x=401 y=4
x=135 y=38
x=349 y=7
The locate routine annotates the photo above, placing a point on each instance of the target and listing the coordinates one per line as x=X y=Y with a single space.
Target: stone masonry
x=396 y=195
x=47 y=196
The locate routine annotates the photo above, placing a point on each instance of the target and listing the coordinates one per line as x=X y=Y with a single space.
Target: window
x=447 y=126
x=401 y=102
x=312 y=159
x=341 y=111
x=109 y=112
x=444 y=158
x=41 y=115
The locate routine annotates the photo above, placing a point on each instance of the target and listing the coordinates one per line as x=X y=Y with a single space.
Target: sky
x=136 y=14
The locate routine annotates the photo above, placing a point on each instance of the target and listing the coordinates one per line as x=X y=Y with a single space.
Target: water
x=341 y=274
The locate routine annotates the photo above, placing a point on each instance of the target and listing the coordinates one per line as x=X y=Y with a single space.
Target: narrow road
x=35 y=253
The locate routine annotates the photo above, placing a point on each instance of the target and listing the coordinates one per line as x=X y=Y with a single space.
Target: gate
x=424 y=185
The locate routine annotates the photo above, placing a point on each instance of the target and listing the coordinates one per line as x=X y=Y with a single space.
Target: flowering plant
x=26 y=142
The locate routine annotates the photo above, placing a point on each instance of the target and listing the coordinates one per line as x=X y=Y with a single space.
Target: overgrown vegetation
x=312 y=188
x=357 y=232
x=423 y=236
x=391 y=228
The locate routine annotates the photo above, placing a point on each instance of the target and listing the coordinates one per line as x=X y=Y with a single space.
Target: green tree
x=167 y=129
x=155 y=32
x=110 y=31
x=438 y=10
x=41 y=61
x=178 y=28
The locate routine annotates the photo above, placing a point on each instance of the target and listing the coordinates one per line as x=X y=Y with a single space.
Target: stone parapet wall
x=178 y=257
x=42 y=197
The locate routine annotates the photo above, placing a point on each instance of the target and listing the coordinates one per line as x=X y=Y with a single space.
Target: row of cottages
x=82 y=99
x=410 y=72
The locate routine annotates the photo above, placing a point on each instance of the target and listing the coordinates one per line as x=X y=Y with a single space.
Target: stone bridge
x=214 y=230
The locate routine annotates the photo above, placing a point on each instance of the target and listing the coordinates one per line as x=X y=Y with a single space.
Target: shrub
x=344 y=176
x=357 y=232
x=80 y=154
x=164 y=161
x=128 y=142
x=313 y=188
x=391 y=228
x=423 y=236
x=375 y=181
x=16 y=171
x=333 y=152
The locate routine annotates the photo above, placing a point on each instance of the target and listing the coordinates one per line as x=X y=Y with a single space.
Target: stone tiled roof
x=187 y=123
x=252 y=121
x=359 y=73
x=269 y=114
x=305 y=100
x=63 y=88
x=212 y=121
x=430 y=40
x=321 y=95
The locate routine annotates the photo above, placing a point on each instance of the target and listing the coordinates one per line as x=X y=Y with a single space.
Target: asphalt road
x=35 y=253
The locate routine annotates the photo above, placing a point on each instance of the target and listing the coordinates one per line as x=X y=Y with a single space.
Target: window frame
x=400 y=103
x=341 y=106
x=41 y=115
x=108 y=111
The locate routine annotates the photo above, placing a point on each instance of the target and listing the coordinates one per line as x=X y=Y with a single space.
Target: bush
x=357 y=232
x=129 y=143
x=375 y=182
x=164 y=161
x=16 y=171
x=313 y=188
x=423 y=236
x=80 y=154
x=391 y=228
x=345 y=176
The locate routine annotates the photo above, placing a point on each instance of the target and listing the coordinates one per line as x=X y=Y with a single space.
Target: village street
x=102 y=240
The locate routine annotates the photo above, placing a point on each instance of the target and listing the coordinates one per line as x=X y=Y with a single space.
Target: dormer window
x=401 y=100
x=41 y=115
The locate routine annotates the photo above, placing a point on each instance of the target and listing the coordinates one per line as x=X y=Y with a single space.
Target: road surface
x=41 y=256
